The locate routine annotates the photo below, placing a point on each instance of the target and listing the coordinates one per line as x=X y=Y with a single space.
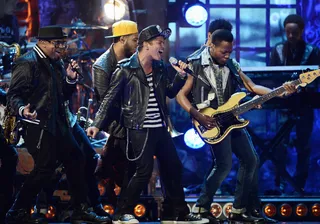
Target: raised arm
x=261 y=90
x=251 y=86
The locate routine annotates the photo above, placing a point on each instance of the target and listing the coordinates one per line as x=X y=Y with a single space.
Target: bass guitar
x=226 y=116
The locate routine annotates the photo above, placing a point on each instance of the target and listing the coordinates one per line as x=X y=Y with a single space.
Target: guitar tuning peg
x=294 y=75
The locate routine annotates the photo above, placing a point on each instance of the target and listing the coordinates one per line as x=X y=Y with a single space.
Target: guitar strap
x=236 y=74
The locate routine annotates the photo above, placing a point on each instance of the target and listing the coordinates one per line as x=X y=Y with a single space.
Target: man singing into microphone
x=142 y=83
x=39 y=90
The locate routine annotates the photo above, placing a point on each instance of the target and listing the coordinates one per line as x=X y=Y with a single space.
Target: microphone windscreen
x=173 y=60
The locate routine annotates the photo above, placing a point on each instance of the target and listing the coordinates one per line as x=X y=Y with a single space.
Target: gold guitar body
x=226 y=116
x=225 y=120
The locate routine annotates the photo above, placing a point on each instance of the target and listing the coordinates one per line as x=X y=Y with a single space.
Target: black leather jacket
x=31 y=82
x=130 y=83
x=102 y=71
x=103 y=68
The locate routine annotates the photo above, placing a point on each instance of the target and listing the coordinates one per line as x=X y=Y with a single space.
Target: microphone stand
x=87 y=124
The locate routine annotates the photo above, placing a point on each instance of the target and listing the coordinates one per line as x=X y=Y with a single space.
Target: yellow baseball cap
x=122 y=28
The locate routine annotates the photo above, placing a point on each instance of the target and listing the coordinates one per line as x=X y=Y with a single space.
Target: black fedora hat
x=50 y=33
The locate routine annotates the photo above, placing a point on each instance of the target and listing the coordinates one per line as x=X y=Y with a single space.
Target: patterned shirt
x=153 y=117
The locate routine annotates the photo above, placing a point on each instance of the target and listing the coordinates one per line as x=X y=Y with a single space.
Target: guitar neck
x=261 y=99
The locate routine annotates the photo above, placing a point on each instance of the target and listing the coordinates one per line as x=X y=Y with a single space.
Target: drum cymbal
x=83 y=26
x=77 y=24
x=95 y=53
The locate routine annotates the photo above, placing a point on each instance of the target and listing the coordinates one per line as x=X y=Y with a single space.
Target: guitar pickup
x=202 y=128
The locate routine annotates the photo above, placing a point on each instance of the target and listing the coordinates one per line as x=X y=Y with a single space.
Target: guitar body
x=226 y=116
x=225 y=120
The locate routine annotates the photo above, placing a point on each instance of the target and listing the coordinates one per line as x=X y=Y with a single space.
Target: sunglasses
x=59 y=44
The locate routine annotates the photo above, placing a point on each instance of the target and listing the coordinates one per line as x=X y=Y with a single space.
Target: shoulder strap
x=234 y=72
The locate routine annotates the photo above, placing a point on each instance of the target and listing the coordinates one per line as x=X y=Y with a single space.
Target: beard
x=128 y=52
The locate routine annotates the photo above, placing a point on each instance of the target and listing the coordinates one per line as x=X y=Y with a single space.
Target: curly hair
x=219 y=24
x=222 y=35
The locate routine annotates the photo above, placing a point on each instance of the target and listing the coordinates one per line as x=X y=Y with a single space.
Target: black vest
x=202 y=86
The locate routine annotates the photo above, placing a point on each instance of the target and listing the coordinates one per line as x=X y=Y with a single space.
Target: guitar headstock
x=308 y=77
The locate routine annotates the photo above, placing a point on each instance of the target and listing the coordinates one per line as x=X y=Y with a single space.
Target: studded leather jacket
x=129 y=82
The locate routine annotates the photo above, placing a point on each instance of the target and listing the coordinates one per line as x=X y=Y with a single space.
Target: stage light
x=108 y=209
x=227 y=209
x=270 y=210
x=192 y=139
x=216 y=210
x=51 y=213
x=114 y=9
x=195 y=13
x=140 y=210
x=286 y=210
x=301 y=210
x=315 y=210
x=32 y=210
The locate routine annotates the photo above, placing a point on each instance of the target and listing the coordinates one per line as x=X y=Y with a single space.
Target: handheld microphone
x=76 y=70
x=174 y=61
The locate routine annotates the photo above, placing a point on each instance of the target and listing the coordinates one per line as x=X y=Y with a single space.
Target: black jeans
x=9 y=158
x=115 y=167
x=158 y=142
x=60 y=148
x=91 y=163
x=246 y=192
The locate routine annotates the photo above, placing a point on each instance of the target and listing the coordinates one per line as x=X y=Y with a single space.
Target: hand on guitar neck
x=290 y=88
x=205 y=120
x=225 y=118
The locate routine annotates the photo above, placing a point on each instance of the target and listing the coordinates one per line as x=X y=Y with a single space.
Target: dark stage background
x=252 y=48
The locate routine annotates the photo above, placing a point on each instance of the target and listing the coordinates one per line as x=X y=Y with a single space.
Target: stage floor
x=221 y=223
x=153 y=208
